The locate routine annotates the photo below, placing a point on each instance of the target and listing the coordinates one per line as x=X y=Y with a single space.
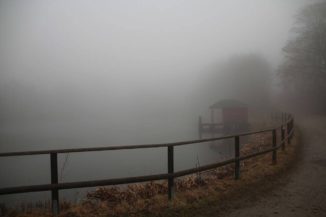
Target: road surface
x=302 y=193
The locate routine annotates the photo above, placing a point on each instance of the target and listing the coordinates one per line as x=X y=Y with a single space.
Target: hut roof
x=228 y=103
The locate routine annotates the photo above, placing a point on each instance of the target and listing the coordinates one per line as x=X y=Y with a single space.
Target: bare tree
x=303 y=72
x=244 y=77
x=248 y=77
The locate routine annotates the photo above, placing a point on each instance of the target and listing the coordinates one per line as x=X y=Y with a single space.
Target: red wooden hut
x=234 y=117
x=234 y=113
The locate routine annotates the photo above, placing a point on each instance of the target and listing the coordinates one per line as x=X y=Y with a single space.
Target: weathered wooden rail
x=286 y=129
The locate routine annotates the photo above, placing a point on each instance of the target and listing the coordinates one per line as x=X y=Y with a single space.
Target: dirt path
x=303 y=192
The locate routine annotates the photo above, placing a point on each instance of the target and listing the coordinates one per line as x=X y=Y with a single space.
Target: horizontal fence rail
x=111 y=148
x=286 y=126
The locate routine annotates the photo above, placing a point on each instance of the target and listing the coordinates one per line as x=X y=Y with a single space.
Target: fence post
x=283 y=137
x=54 y=180
x=288 y=129
x=237 y=155
x=200 y=127
x=274 y=157
x=170 y=171
x=292 y=128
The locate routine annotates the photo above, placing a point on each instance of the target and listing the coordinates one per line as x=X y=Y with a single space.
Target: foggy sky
x=118 y=57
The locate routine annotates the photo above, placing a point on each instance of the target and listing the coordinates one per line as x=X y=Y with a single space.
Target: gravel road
x=303 y=192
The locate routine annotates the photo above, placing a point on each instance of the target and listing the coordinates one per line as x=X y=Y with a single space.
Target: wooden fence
x=286 y=129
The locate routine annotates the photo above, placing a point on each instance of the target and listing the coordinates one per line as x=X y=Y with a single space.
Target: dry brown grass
x=193 y=193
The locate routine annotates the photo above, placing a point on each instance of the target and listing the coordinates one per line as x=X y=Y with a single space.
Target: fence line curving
x=287 y=131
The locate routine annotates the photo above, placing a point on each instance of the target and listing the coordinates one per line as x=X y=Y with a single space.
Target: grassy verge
x=259 y=176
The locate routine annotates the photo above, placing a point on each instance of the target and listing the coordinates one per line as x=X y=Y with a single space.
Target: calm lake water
x=29 y=170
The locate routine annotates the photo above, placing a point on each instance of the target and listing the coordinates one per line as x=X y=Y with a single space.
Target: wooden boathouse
x=234 y=118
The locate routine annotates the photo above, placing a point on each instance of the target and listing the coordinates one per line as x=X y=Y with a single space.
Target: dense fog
x=128 y=64
x=97 y=73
